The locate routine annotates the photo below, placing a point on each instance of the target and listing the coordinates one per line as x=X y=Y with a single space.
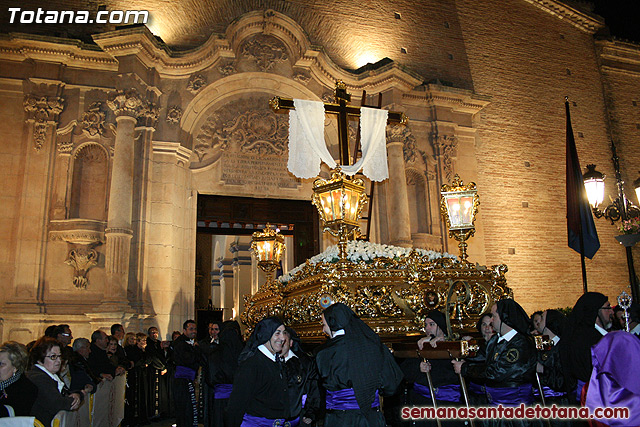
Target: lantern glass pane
x=595 y=191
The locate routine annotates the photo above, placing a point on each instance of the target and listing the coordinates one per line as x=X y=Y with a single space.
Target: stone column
x=399 y=220
x=127 y=106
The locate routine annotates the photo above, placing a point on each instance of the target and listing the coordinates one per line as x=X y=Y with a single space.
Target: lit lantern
x=268 y=247
x=594 y=184
x=458 y=207
x=339 y=201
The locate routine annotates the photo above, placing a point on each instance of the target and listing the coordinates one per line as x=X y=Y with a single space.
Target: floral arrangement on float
x=360 y=251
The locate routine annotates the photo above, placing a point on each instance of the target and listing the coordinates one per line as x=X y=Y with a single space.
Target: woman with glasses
x=53 y=395
x=17 y=393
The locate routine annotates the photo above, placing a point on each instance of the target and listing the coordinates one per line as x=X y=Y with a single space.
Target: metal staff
x=463 y=386
x=433 y=395
x=541 y=344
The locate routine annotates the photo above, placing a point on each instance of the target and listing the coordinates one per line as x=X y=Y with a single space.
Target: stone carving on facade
x=248 y=125
x=174 y=114
x=266 y=50
x=301 y=78
x=148 y=115
x=82 y=260
x=126 y=102
x=42 y=110
x=328 y=97
x=403 y=134
x=92 y=120
x=65 y=145
x=446 y=146
x=227 y=70
x=196 y=83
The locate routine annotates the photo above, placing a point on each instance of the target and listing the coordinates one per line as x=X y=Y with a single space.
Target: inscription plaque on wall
x=250 y=142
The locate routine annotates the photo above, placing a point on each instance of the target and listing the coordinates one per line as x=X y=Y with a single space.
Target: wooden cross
x=343 y=111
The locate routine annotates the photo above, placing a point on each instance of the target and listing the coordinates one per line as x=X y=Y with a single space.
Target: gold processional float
x=390 y=288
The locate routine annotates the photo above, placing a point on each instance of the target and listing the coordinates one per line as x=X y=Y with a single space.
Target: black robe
x=259 y=389
x=158 y=385
x=333 y=366
x=302 y=377
x=189 y=356
x=136 y=394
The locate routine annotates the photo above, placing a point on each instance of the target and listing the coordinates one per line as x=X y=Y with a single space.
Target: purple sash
x=510 y=396
x=222 y=391
x=185 y=373
x=476 y=388
x=251 y=421
x=548 y=392
x=304 y=399
x=345 y=399
x=579 y=388
x=446 y=393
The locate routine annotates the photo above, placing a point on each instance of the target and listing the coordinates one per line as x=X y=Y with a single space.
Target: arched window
x=89 y=183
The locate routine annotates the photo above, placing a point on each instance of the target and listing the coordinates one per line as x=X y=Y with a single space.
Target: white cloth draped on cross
x=307 y=148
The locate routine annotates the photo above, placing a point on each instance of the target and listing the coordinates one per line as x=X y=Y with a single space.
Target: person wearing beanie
x=509 y=370
x=260 y=393
x=445 y=381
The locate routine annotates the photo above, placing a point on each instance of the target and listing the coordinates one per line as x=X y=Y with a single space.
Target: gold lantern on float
x=268 y=247
x=458 y=207
x=339 y=201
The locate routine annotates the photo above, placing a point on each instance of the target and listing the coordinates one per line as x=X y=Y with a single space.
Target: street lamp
x=339 y=201
x=268 y=247
x=458 y=207
x=620 y=208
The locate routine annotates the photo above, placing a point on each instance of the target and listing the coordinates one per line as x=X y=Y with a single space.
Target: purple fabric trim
x=222 y=391
x=510 y=396
x=476 y=388
x=345 y=399
x=614 y=380
x=252 y=421
x=304 y=399
x=446 y=393
x=579 y=388
x=548 y=392
x=185 y=373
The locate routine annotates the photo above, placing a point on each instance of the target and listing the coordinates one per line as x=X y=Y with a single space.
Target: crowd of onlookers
x=56 y=373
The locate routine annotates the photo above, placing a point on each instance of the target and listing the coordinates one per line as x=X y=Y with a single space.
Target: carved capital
x=126 y=103
x=43 y=110
x=227 y=70
x=148 y=115
x=403 y=134
x=82 y=260
x=92 y=120
x=196 y=83
x=174 y=114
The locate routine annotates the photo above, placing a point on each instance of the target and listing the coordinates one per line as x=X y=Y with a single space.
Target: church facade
x=107 y=148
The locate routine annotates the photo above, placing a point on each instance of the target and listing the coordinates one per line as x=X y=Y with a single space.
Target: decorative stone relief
x=248 y=124
x=92 y=120
x=266 y=50
x=65 y=146
x=301 y=78
x=82 y=260
x=447 y=149
x=403 y=134
x=227 y=70
x=328 y=98
x=174 y=114
x=126 y=102
x=148 y=115
x=42 y=110
x=196 y=83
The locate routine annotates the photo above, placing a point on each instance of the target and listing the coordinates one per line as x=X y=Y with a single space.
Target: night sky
x=621 y=16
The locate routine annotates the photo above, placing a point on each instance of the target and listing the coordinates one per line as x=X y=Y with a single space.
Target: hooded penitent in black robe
x=442 y=375
x=260 y=383
x=356 y=360
x=302 y=378
x=579 y=337
x=159 y=394
x=509 y=363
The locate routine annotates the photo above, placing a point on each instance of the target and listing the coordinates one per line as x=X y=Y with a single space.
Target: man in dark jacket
x=188 y=360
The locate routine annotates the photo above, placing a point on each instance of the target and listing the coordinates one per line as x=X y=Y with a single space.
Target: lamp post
x=268 y=247
x=620 y=209
x=339 y=201
x=458 y=207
